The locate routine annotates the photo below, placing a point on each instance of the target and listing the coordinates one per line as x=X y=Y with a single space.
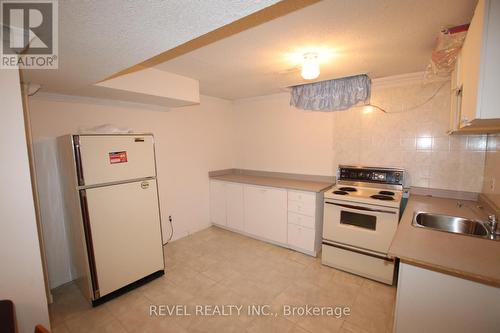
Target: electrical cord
x=171 y=231
x=413 y=107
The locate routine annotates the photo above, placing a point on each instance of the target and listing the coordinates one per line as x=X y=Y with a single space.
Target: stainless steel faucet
x=493 y=223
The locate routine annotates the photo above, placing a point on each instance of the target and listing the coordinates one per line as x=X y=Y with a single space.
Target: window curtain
x=332 y=95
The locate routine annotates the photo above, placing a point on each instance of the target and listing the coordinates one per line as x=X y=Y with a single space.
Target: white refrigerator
x=111 y=200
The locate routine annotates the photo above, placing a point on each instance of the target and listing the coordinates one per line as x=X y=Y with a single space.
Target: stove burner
x=340 y=192
x=348 y=189
x=381 y=197
x=386 y=193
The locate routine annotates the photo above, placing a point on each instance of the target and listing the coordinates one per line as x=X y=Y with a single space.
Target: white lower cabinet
x=218 y=202
x=266 y=212
x=290 y=218
x=429 y=301
x=234 y=206
x=226 y=204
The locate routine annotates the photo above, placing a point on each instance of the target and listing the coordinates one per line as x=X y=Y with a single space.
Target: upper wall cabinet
x=476 y=80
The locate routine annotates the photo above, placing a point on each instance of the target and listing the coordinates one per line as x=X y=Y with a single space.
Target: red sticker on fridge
x=118 y=157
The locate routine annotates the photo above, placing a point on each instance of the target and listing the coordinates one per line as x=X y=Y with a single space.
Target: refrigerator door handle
x=78 y=160
x=88 y=240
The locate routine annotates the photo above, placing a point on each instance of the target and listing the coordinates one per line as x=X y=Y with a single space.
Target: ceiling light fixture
x=310 y=66
x=368 y=109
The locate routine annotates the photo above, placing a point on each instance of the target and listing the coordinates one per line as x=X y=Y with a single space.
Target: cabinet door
x=444 y=309
x=234 y=206
x=470 y=66
x=490 y=68
x=218 y=202
x=266 y=212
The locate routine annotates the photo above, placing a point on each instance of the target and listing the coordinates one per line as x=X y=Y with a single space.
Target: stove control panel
x=372 y=175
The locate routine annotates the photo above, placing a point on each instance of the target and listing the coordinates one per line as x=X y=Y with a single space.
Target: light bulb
x=310 y=66
x=368 y=109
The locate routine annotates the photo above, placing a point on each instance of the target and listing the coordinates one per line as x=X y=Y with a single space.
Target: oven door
x=360 y=225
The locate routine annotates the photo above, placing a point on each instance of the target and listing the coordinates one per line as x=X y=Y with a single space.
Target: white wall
x=21 y=276
x=273 y=136
x=190 y=141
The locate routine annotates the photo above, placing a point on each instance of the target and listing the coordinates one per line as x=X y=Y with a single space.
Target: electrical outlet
x=492 y=185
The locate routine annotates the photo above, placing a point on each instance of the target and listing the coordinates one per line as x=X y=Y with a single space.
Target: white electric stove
x=361 y=215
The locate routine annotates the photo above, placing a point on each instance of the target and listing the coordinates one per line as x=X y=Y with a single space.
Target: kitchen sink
x=453 y=224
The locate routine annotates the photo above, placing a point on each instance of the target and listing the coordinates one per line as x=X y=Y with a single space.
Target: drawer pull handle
x=360 y=208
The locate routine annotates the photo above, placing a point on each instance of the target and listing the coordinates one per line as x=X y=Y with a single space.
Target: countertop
x=294 y=184
x=467 y=257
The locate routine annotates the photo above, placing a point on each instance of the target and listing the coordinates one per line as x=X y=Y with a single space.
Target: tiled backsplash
x=491 y=185
x=415 y=140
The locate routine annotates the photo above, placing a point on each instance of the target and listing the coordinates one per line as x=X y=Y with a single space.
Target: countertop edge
x=445 y=270
x=322 y=187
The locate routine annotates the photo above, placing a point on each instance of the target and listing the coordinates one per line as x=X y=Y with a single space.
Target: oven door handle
x=361 y=208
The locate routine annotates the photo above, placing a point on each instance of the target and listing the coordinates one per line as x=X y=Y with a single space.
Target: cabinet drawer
x=301 y=237
x=303 y=197
x=301 y=208
x=302 y=220
x=360 y=264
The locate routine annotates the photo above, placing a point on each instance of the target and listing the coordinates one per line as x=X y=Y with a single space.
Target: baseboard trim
x=286 y=246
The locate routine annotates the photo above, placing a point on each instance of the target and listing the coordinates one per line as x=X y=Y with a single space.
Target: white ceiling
x=381 y=38
x=98 y=38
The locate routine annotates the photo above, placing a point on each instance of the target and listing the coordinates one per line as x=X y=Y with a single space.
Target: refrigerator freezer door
x=126 y=236
x=106 y=159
